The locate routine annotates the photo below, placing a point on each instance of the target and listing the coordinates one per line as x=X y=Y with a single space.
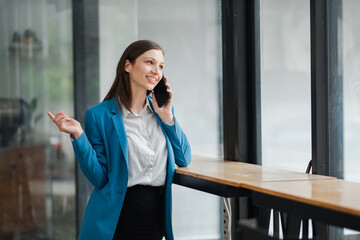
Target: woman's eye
x=161 y=67
x=150 y=62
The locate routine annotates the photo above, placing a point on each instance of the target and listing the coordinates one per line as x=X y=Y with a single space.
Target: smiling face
x=146 y=71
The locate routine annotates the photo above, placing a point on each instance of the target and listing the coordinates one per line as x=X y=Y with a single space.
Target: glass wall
x=351 y=79
x=285 y=83
x=350 y=49
x=37 y=189
x=190 y=34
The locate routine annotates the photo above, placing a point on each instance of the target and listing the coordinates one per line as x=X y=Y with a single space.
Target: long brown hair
x=121 y=86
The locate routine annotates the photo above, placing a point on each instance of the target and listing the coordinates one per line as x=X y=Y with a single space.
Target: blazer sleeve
x=90 y=152
x=179 y=142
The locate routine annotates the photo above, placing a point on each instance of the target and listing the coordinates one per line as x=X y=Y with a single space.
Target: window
x=37 y=194
x=351 y=87
x=350 y=48
x=285 y=84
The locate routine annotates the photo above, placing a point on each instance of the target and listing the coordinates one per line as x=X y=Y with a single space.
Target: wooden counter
x=228 y=177
x=321 y=198
x=337 y=195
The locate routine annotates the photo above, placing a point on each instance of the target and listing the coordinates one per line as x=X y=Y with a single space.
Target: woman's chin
x=150 y=87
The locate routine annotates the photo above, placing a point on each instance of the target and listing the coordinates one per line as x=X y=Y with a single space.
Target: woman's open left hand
x=66 y=124
x=165 y=112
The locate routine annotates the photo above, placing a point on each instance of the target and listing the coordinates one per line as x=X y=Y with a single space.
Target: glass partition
x=351 y=80
x=350 y=48
x=37 y=188
x=285 y=83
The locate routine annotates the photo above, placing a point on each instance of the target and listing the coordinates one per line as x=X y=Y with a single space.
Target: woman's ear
x=128 y=65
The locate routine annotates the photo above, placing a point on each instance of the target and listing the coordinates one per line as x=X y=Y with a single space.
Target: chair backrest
x=309 y=167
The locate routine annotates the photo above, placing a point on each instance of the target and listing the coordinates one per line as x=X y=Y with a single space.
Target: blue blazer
x=102 y=153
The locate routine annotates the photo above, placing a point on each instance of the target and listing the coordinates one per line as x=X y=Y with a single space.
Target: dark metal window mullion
x=241 y=80
x=254 y=118
x=326 y=97
x=86 y=81
x=326 y=89
x=241 y=88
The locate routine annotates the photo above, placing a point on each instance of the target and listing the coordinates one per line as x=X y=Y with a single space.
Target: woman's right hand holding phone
x=66 y=124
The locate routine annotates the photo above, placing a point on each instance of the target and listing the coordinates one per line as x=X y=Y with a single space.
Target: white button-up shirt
x=147 y=148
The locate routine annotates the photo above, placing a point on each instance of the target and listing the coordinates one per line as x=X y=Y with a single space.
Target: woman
x=128 y=151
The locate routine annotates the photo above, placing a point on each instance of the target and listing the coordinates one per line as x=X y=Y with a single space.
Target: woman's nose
x=156 y=70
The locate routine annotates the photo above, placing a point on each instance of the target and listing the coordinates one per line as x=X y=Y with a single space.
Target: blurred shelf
x=25 y=46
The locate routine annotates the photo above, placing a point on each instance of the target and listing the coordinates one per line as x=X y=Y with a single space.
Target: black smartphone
x=161 y=93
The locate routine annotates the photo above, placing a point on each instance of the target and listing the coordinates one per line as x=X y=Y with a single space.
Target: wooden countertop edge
x=312 y=202
x=276 y=193
x=213 y=179
x=235 y=184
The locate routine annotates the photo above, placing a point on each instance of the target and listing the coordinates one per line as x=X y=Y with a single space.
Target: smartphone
x=161 y=93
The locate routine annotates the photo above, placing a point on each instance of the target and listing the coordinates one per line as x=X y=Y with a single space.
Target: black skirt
x=141 y=214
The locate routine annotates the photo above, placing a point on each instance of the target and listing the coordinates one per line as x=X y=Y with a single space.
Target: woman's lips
x=152 y=79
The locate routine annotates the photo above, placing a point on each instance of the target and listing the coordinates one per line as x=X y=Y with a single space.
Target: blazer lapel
x=120 y=128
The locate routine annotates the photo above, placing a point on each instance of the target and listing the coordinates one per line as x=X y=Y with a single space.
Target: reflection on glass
x=37 y=193
x=189 y=33
x=285 y=83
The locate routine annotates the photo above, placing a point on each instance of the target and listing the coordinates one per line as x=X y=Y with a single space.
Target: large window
x=37 y=189
x=285 y=83
x=189 y=33
x=350 y=48
x=351 y=80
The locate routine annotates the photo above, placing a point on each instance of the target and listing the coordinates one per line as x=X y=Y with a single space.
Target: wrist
x=168 y=119
x=77 y=134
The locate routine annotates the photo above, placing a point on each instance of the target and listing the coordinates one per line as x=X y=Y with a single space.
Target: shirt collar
x=148 y=104
x=126 y=112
